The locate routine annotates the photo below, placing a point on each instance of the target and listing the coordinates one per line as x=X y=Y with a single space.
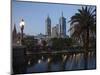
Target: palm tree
x=84 y=25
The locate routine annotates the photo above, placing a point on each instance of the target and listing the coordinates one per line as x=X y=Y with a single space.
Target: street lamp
x=22 y=24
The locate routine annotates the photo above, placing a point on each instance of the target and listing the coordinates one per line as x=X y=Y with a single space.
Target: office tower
x=48 y=26
x=62 y=23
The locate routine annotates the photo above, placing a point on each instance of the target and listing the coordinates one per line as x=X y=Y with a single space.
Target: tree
x=84 y=25
x=29 y=43
x=61 y=43
x=44 y=43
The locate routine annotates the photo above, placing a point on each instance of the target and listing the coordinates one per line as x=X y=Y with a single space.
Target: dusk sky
x=34 y=15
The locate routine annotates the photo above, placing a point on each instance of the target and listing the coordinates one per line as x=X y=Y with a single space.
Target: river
x=63 y=63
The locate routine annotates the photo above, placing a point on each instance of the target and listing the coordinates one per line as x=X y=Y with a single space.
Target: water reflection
x=48 y=60
x=29 y=62
x=42 y=57
x=64 y=57
x=62 y=62
x=39 y=61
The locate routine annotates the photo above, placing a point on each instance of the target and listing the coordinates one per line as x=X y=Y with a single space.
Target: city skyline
x=35 y=14
x=51 y=37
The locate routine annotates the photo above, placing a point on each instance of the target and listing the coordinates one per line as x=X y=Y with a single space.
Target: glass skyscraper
x=62 y=23
x=48 y=26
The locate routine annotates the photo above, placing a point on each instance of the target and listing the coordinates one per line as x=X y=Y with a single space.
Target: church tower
x=14 y=34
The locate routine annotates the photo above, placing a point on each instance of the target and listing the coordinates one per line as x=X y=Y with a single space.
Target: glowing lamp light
x=22 y=23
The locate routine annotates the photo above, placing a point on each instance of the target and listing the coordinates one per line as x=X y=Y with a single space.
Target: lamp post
x=22 y=24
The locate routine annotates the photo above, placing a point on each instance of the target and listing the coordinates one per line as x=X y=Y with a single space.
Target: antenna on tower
x=62 y=13
x=48 y=15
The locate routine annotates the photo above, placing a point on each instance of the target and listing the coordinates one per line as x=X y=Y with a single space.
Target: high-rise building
x=55 y=31
x=48 y=26
x=62 y=23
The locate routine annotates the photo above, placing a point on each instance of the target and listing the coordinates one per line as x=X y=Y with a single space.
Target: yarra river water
x=60 y=62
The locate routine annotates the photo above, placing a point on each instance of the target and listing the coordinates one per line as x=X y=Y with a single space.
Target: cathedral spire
x=14 y=30
x=14 y=34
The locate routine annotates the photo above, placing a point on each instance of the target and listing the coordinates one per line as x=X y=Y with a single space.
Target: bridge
x=60 y=52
